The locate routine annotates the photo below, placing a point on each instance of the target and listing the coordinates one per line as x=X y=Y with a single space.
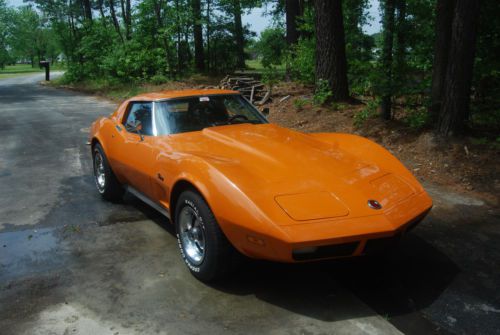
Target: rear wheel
x=204 y=247
x=105 y=180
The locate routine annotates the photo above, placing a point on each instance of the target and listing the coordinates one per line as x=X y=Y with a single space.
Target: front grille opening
x=381 y=244
x=327 y=251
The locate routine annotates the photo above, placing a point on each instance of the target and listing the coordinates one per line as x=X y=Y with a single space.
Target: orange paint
x=272 y=189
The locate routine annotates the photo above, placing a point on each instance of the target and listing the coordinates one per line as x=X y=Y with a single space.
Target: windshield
x=196 y=113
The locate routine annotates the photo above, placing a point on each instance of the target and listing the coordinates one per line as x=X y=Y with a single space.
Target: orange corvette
x=233 y=184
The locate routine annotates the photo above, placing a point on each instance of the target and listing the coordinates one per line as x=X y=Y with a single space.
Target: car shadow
x=149 y=212
x=396 y=285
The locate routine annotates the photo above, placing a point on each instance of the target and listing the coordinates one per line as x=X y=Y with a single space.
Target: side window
x=140 y=118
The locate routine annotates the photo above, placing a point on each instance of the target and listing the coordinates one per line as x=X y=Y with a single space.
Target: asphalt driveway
x=71 y=263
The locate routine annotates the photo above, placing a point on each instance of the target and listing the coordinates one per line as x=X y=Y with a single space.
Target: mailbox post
x=46 y=65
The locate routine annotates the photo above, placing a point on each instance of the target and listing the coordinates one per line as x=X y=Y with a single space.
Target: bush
x=322 y=93
x=302 y=61
x=369 y=112
x=159 y=79
x=299 y=103
x=271 y=46
x=271 y=76
x=417 y=118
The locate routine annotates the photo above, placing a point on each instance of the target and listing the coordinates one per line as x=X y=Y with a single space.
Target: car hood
x=295 y=169
x=269 y=152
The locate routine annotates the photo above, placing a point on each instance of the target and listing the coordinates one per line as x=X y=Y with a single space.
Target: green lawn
x=17 y=70
x=255 y=64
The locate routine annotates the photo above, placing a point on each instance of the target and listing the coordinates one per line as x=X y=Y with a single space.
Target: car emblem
x=374 y=204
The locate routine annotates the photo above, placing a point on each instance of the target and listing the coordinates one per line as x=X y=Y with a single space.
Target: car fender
x=238 y=216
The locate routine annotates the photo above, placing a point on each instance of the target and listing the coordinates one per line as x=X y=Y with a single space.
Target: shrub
x=417 y=118
x=369 y=112
x=159 y=79
x=271 y=46
x=302 y=61
x=299 y=103
x=271 y=76
x=322 y=93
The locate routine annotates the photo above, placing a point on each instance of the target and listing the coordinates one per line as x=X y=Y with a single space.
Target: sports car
x=234 y=184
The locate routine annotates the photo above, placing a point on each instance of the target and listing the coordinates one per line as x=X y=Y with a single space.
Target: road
x=71 y=263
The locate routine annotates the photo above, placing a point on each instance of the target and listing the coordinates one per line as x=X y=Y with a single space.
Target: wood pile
x=254 y=90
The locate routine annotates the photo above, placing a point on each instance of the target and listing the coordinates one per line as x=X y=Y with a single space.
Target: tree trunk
x=292 y=9
x=101 y=11
x=400 y=51
x=199 y=57
x=238 y=34
x=128 y=19
x=115 y=20
x=444 y=20
x=386 y=104
x=331 y=64
x=125 y=5
x=158 y=5
x=87 y=10
x=456 y=100
x=208 y=34
x=188 y=56
x=179 y=51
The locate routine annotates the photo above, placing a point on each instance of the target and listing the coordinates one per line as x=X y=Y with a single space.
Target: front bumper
x=348 y=237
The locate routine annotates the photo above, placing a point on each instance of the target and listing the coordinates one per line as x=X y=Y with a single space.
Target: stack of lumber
x=252 y=89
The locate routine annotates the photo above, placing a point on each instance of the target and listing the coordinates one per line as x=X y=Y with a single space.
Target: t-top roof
x=155 y=96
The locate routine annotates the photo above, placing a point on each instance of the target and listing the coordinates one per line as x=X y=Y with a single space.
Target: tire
x=105 y=180
x=204 y=248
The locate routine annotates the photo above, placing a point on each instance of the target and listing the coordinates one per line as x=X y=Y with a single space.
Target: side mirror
x=265 y=111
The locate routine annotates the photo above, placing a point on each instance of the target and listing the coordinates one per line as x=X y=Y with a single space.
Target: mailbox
x=46 y=65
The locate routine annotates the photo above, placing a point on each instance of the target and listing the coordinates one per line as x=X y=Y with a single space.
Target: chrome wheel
x=192 y=235
x=99 y=171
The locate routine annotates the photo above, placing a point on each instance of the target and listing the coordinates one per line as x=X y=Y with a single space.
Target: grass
x=102 y=87
x=118 y=91
x=11 y=71
x=256 y=65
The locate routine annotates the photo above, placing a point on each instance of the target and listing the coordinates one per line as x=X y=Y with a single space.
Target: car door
x=134 y=147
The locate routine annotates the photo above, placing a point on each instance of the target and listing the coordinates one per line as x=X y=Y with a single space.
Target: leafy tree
x=31 y=38
x=359 y=46
x=5 y=30
x=424 y=43
x=271 y=46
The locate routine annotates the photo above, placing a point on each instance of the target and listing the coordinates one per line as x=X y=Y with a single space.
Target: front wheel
x=105 y=180
x=204 y=247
